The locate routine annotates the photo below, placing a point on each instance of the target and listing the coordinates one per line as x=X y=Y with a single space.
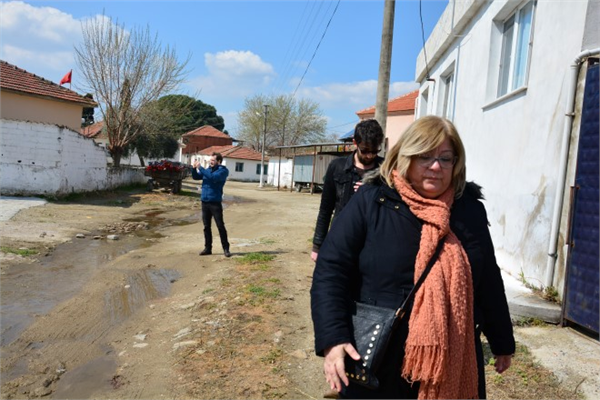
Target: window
x=516 y=49
x=447 y=94
x=239 y=167
x=258 y=169
x=423 y=103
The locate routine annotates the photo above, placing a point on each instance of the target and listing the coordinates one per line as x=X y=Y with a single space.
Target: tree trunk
x=116 y=156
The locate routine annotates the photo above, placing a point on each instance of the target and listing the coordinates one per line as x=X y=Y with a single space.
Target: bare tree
x=289 y=122
x=125 y=70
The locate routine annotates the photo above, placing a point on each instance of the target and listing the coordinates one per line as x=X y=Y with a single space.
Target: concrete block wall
x=43 y=159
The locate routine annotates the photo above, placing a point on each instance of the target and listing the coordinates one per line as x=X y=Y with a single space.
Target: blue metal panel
x=582 y=296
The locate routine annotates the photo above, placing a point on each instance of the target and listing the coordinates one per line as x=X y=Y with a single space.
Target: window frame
x=239 y=166
x=508 y=81
x=265 y=168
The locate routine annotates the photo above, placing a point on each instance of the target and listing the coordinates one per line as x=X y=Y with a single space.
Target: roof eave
x=24 y=92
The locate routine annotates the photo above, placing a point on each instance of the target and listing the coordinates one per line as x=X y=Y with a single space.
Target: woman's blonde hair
x=424 y=135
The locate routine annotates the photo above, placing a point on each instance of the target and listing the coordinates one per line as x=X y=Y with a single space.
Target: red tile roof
x=237 y=152
x=406 y=102
x=215 y=149
x=93 y=130
x=209 y=131
x=18 y=80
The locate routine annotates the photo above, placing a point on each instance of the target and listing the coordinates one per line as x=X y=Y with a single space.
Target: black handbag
x=373 y=327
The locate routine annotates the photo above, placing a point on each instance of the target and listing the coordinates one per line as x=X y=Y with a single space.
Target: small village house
x=243 y=163
x=201 y=138
x=401 y=113
x=42 y=151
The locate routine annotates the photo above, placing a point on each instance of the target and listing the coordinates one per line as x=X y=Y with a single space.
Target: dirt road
x=118 y=304
x=145 y=316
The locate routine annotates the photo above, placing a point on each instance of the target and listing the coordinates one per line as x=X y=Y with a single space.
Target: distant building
x=243 y=162
x=199 y=139
x=401 y=113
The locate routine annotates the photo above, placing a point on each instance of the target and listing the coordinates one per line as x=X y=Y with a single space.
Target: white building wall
x=286 y=172
x=248 y=174
x=39 y=159
x=512 y=145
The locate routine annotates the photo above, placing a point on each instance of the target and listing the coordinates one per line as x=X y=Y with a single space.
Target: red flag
x=66 y=78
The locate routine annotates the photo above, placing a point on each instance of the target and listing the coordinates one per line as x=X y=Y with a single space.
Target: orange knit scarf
x=440 y=348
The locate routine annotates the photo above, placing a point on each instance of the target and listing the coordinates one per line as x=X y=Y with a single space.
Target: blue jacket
x=213 y=180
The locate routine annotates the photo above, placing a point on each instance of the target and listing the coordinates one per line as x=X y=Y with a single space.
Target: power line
x=317 y=48
x=297 y=45
x=423 y=38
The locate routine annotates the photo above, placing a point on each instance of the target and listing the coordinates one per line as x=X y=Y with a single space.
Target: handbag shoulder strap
x=432 y=261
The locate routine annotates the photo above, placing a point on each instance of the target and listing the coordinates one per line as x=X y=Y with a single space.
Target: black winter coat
x=369 y=256
x=338 y=188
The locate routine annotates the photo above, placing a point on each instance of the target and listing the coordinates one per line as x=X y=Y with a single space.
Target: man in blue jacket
x=213 y=179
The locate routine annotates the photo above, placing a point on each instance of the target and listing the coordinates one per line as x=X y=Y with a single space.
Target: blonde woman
x=378 y=247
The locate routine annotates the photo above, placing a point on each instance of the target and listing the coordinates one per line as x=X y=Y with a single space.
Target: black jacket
x=369 y=256
x=337 y=190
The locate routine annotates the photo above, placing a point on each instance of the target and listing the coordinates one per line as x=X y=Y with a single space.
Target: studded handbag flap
x=373 y=327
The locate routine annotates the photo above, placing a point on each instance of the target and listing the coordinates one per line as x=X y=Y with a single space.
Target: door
x=581 y=291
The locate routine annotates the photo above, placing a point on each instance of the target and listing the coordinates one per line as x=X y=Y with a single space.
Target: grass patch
x=266 y=241
x=525 y=379
x=21 y=251
x=528 y=321
x=272 y=356
x=262 y=291
x=255 y=258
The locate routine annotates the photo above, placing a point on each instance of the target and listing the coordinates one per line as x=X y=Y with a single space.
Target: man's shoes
x=227 y=253
x=205 y=252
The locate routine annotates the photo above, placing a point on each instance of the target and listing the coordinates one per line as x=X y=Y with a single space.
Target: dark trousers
x=210 y=210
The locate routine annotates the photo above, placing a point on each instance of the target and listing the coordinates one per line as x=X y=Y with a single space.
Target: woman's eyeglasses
x=446 y=161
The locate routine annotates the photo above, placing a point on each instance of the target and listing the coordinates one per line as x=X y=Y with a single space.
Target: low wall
x=43 y=159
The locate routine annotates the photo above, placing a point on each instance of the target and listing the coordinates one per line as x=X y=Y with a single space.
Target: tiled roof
x=93 y=130
x=237 y=152
x=15 y=79
x=207 y=130
x=215 y=149
x=406 y=102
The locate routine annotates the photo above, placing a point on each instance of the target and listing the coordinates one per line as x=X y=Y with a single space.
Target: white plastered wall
x=43 y=159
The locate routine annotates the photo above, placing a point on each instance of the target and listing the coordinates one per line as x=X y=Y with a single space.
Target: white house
x=243 y=163
x=511 y=75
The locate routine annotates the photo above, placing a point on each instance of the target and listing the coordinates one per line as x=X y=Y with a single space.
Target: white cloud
x=360 y=94
x=233 y=73
x=38 y=39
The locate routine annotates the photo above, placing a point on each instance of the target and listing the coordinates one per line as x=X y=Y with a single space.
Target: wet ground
x=32 y=290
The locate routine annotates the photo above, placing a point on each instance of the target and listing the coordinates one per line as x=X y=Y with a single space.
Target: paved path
x=10 y=206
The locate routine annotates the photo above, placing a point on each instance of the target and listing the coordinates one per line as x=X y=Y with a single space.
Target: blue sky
x=240 y=48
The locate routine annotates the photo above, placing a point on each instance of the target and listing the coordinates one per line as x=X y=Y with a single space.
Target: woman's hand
x=314 y=255
x=502 y=363
x=333 y=366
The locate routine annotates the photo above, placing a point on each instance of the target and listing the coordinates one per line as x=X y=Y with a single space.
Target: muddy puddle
x=34 y=289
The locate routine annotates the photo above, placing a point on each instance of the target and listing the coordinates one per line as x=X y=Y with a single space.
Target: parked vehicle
x=167 y=174
x=309 y=171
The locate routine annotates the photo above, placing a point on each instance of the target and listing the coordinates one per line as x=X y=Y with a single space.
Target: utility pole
x=385 y=64
x=262 y=155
